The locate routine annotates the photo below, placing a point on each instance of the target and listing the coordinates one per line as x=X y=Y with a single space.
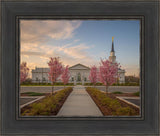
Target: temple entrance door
x=79 y=78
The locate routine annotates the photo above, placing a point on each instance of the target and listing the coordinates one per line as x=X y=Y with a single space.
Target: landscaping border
x=58 y=101
x=130 y=103
x=39 y=98
x=105 y=110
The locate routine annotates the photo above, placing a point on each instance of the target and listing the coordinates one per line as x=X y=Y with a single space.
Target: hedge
x=50 y=105
x=111 y=104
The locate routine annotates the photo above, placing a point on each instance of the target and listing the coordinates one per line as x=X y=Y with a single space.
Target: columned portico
x=80 y=73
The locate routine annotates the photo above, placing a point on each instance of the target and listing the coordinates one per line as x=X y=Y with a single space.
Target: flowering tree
x=65 y=75
x=55 y=71
x=93 y=75
x=108 y=73
x=24 y=70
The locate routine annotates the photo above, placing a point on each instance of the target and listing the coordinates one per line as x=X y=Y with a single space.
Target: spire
x=112 y=50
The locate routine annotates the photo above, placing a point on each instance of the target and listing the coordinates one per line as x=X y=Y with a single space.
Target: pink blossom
x=108 y=72
x=56 y=69
x=93 y=75
x=24 y=70
x=65 y=75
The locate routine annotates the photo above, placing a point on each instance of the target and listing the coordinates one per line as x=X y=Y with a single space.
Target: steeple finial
x=112 y=50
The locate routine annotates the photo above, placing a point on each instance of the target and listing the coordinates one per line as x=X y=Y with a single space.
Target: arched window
x=79 y=77
x=72 y=78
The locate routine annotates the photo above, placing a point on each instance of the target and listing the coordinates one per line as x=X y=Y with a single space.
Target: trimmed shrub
x=117 y=92
x=48 y=105
x=136 y=94
x=112 y=104
x=125 y=111
x=33 y=94
x=125 y=84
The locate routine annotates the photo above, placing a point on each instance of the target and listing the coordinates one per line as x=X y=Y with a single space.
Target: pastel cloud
x=77 y=51
x=36 y=51
x=131 y=69
x=69 y=55
x=37 y=31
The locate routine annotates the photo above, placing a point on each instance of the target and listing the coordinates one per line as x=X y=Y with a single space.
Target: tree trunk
x=106 y=89
x=52 y=89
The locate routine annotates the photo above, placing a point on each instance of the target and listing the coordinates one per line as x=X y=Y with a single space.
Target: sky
x=80 y=41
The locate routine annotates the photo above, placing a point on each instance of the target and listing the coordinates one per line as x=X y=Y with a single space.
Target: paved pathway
x=79 y=103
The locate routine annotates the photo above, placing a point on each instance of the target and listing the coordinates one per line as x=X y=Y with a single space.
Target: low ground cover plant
x=136 y=94
x=125 y=84
x=47 y=84
x=109 y=105
x=33 y=94
x=114 y=84
x=50 y=105
x=117 y=92
x=91 y=84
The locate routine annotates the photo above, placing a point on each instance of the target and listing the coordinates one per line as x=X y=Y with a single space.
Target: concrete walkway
x=79 y=103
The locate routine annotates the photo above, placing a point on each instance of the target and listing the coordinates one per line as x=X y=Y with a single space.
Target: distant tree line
x=132 y=79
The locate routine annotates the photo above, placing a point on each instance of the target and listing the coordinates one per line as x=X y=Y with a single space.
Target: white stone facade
x=78 y=73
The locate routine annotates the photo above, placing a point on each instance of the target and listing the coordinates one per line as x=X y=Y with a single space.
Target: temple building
x=79 y=72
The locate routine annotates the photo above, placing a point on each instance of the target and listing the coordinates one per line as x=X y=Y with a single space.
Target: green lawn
x=117 y=92
x=136 y=94
x=33 y=94
x=43 y=85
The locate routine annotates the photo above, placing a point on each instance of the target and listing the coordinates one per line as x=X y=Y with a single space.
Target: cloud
x=31 y=53
x=77 y=51
x=36 y=50
x=36 y=31
x=69 y=54
x=131 y=69
x=76 y=40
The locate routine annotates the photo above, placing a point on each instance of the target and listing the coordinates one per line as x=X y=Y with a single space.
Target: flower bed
x=50 y=105
x=32 y=94
x=109 y=105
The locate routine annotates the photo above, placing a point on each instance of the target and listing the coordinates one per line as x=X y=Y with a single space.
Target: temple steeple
x=112 y=56
x=112 y=50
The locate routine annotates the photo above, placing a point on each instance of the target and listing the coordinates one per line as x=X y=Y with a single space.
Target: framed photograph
x=79 y=68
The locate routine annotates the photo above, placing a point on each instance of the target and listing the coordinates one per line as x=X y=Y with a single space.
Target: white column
x=74 y=80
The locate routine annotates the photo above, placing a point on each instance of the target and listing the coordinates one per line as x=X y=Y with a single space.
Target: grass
x=108 y=105
x=136 y=94
x=50 y=105
x=42 y=85
x=125 y=84
x=72 y=84
x=47 y=84
x=115 y=84
x=117 y=92
x=33 y=94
